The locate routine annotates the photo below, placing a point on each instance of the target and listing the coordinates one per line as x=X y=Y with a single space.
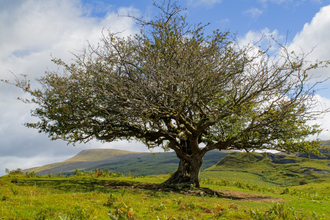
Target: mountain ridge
x=127 y=161
x=84 y=159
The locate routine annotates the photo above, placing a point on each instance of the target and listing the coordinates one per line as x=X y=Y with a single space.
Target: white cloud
x=254 y=12
x=324 y=119
x=31 y=31
x=262 y=39
x=224 y=21
x=313 y=39
x=196 y=3
x=315 y=35
x=315 y=32
x=287 y=2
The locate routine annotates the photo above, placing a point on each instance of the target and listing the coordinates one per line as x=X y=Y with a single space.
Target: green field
x=91 y=197
x=239 y=186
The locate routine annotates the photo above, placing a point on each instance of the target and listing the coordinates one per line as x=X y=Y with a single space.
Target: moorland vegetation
x=239 y=186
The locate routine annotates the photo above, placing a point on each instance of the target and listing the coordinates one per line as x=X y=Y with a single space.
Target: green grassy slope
x=99 y=154
x=161 y=163
x=251 y=183
x=85 y=159
x=258 y=169
x=140 y=164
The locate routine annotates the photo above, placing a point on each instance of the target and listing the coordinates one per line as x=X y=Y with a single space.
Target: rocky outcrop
x=279 y=158
x=325 y=155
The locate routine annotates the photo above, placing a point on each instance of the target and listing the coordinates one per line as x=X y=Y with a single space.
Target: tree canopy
x=173 y=86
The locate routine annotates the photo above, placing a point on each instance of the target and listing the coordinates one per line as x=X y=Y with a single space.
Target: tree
x=174 y=87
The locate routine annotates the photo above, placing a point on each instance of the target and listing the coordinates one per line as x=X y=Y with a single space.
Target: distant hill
x=326 y=143
x=278 y=169
x=160 y=163
x=325 y=152
x=240 y=161
x=86 y=159
x=139 y=164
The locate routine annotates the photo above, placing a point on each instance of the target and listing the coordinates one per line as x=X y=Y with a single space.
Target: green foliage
x=18 y=171
x=123 y=213
x=301 y=194
x=276 y=212
x=123 y=191
x=43 y=214
x=81 y=213
x=31 y=174
x=111 y=200
x=14 y=191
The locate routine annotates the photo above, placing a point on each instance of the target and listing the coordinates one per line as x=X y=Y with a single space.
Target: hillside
x=86 y=159
x=160 y=163
x=326 y=143
x=272 y=169
x=139 y=164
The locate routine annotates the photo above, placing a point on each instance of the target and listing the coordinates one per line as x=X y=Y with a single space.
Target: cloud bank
x=313 y=39
x=31 y=32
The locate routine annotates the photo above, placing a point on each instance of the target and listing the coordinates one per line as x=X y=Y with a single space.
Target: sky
x=34 y=31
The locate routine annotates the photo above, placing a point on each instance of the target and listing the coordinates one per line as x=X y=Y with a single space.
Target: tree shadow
x=85 y=185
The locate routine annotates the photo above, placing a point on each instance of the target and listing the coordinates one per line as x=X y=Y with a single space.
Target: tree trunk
x=187 y=172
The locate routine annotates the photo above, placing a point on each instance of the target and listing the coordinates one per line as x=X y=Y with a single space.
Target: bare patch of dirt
x=229 y=194
x=248 y=196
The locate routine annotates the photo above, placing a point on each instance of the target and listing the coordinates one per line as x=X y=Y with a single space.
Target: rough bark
x=187 y=173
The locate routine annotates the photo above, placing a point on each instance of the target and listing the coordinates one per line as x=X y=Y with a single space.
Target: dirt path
x=248 y=196
x=229 y=194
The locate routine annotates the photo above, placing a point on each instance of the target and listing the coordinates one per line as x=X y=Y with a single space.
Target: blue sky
x=33 y=30
x=239 y=16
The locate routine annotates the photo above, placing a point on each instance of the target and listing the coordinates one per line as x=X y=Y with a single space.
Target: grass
x=257 y=169
x=254 y=188
x=237 y=176
x=91 y=197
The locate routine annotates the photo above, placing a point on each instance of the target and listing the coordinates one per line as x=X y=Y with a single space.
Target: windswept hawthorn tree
x=174 y=87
